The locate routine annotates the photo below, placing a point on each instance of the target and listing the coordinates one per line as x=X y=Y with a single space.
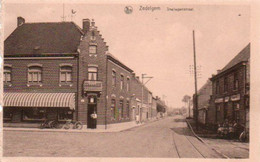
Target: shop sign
x=218 y=100
x=92 y=86
x=226 y=99
x=235 y=97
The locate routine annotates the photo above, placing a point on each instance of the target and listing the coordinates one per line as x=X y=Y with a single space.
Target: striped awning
x=40 y=100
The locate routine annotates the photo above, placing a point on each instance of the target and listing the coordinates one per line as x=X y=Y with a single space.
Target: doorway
x=92 y=109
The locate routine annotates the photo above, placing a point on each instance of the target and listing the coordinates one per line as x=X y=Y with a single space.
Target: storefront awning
x=40 y=100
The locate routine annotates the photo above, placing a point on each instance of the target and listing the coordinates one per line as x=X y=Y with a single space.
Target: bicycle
x=73 y=124
x=49 y=124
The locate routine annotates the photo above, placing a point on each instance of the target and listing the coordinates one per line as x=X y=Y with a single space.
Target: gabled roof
x=243 y=55
x=115 y=60
x=39 y=38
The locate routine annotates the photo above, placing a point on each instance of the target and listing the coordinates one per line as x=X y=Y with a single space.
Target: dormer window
x=92 y=49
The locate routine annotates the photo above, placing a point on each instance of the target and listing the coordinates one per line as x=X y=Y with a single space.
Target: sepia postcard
x=129 y=81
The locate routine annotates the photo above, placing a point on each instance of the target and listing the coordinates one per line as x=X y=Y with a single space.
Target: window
x=92 y=49
x=93 y=36
x=121 y=109
x=66 y=74
x=128 y=84
x=34 y=114
x=225 y=84
x=127 y=109
x=35 y=74
x=217 y=87
x=122 y=82
x=8 y=113
x=64 y=114
x=113 y=109
x=113 y=78
x=236 y=81
x=92 y=73
x=7 y=74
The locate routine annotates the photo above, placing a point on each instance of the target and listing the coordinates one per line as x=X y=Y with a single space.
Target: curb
x=225 y=156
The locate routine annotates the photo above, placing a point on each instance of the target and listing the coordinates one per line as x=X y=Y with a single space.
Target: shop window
x=92 y=49
x=236 y=84
x=127 y=109
x=121 y=109
x=64 y=114
x=8 y=113
x=225 y=84
x=34 y=114
x=122 y=82
x=113 y=109
x=34 y=74
x=113 y=78
x=7 y=74
x=92 y=73
x=66 y=74
x=128 y=84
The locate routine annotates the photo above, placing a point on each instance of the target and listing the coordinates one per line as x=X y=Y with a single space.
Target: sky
x=158 y=43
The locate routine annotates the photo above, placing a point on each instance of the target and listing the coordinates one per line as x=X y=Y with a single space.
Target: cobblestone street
x=168 y=137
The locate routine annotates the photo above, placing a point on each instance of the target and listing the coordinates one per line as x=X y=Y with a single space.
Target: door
x=92 y=123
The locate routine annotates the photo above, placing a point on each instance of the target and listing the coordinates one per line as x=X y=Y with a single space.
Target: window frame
x=128 y=109
x=67 y=72
x=113 y=78
x=217 y=87
x=90 y=50
x=33 y=109
x=96 y=72
x=127 y=84
x=32 y=72
x=236 y=82
x=226 y=84
x=122 y=80
x=113 y=109
x=7 y=71
x=121 y=107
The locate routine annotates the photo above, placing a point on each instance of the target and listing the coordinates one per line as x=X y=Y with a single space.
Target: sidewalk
x=228 y=148
x=111 y=128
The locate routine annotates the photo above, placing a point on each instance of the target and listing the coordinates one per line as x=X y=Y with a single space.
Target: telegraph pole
x=195 y=80
x=143 y=77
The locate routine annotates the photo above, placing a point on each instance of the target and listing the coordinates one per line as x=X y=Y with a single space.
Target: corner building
x=59 y=71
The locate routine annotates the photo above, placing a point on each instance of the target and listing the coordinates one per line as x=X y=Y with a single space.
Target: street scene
x=126 y=80
x=169 y=137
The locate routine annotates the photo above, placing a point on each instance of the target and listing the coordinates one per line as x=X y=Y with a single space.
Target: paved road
x=168 y=137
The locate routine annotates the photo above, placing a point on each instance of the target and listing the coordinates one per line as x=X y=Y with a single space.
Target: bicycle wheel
x=78 y=125
x=67 y=126
x=42 y=125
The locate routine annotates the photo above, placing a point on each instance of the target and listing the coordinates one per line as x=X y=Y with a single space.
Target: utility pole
x=195 y=80
x=143 y=77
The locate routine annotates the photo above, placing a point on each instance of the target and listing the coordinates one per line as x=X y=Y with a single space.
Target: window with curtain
x=7 y=74
x=66 y=74
x=92 y=73
x=35 y=74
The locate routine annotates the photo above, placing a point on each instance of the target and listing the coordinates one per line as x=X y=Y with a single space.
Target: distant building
x=204 y=109
x=230 y=93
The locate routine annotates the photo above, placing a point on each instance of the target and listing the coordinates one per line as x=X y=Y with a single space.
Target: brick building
x=230 y=91
x=204 y=109
x=60 y=71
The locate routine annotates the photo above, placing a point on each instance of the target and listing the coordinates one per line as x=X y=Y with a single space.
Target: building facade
x=230 y=90
x=58 y=71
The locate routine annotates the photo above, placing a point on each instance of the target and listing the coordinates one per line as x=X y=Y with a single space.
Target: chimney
x=20 y=21
x=133 y=74
x=93 y=23
x=137 y=77
x=86 y=25
x=218 y=71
